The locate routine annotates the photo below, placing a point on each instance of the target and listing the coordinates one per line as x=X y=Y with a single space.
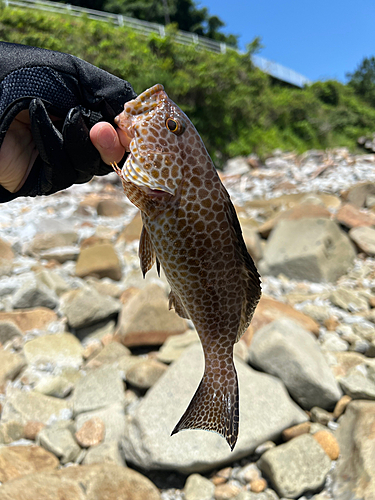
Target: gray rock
x=8 y=330
x=284 y=349
x=61 y=349
x=10 y=365
x=320 y=416
x=108 y=453
x=354 y=474
x=318 y=313
x=56 y=386
x=175 y=345
x=333 y=342
x=53 y=281
x=143 y=375
x=60 y=254
x=349 y=300
x=264 y=495
x=359 y=383
x=198 y=487
x=114 y=421
x=296 y=467
x=85 y=307
x=265 y=410
x=34 y=294
x=23 y=406
x=59 y=440
x=98 y=389
x=308 y=249
x=364 y=238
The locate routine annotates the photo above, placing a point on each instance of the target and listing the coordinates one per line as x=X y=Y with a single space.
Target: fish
x=191 y=230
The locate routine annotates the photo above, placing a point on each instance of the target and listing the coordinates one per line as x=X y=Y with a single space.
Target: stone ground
x=95 y=370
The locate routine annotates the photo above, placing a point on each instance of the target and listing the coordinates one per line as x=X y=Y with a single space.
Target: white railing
x=145 y=28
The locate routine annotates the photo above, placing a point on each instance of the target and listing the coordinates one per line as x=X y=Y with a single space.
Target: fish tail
x=214 y=406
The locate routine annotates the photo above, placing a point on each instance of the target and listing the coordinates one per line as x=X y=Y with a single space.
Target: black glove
x=47 y=82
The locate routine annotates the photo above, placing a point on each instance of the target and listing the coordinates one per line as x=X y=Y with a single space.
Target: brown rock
x=91 y=433
x=32 y=428
x=269 y=310
x=226 y=491
x=28 y=319
x=145 y=319
x=258 y=485
x=346 y=360
x=358 y=193
x=350 y=216
x=364 y=238
x=16 y=461
x=302 y=211
x=133 y=230
x=218 y=480
x=99 y=261
x=341 y=406
x=296 y=430
x=329 y=444
x=109 y=208
x=6 y=252
x=46 y=241
x=331 y=324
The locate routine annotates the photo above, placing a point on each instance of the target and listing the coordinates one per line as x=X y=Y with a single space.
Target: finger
x=106 y=140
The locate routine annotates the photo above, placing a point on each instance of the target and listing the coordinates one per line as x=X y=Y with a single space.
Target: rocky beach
x=95 y=370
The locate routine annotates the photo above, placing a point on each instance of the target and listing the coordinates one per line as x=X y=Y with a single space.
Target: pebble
x=91 y=433
x=329 y=443
x=198 y=487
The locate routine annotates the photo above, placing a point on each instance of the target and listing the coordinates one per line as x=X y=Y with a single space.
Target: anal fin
x=177 y=305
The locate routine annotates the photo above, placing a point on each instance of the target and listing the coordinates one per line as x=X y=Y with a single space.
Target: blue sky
x=320 y=39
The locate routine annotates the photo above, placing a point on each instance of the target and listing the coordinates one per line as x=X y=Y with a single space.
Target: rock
x=317 y=313
x=98 y=389
x=61 y=349
x=6 y=257
x=106 y=286
x=329 y=443
x=60 y=254
x=348 y=299
x=59 y=441
x=132 y=231
x=34 y=294
x=354 y=474
x=10 y=365
x=113 y=418
x=32 y=429
x=100 y=261
x=269 y=310
x=143 y=375
x=342 y=362
x=359 y=383
x=91 y=433
x=109 y=208
x=350 y=216
x=53 y=281
x=11 y=431
x=94 y=482
x=321 y=416
x=8 y=331
x=175 y=345
x=23 y=406
x=265 y=410
x=85 y=307
x=226 y=491
x=198 y=487
x=357 y=194
x=286 y=350
x=38 y=318
x=107 y=453
x=46 y=240
x=258 y=485
x=145 y=319
x=308 y=249
x=252 y=242
x=302 y=211
x=296 y=467
x=296 y=430
x=111 y=353
x=341 y=405
x=364 y=238
x=333 y=342
x=56 y=386
x=17 y=461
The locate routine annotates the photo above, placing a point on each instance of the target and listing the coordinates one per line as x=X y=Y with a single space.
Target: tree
x=184 y=13
x=363 y=80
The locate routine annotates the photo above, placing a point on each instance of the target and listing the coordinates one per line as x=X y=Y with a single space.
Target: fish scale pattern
x=195 y=235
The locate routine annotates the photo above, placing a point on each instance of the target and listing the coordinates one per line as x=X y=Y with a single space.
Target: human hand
x=18 y=151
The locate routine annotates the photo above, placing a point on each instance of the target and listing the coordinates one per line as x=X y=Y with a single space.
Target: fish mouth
x=146 y=101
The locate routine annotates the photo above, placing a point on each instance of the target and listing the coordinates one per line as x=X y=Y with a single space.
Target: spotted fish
x=190 y=228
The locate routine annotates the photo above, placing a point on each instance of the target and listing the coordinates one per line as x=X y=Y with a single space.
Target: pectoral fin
x=177 y=305
x=146 y=253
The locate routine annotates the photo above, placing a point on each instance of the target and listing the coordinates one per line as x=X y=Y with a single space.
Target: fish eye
x=174 y=126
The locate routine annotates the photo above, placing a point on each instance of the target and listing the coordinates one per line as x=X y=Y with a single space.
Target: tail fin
x=214 y=407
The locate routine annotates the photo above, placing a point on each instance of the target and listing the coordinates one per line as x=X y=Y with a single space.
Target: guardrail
x=145 y=28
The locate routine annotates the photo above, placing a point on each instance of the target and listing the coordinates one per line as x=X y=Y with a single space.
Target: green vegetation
x=236 y=108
